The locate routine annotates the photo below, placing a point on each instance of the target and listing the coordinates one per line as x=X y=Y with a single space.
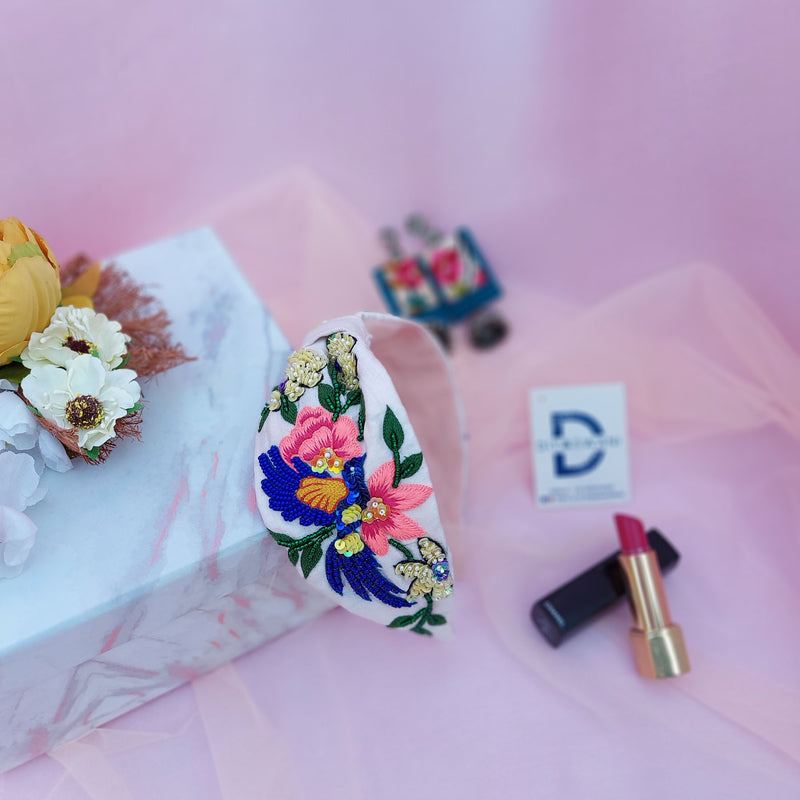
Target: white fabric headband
x=341 y=479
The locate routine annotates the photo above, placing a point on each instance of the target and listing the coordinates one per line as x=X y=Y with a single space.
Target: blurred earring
x=463 y=279
x=409 y=289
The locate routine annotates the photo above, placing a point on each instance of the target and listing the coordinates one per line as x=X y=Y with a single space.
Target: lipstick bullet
x=658 y=646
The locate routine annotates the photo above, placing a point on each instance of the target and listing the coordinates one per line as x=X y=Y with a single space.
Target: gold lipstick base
x=660 y=653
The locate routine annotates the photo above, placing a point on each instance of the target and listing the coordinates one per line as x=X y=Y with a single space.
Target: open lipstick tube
x=658 y=646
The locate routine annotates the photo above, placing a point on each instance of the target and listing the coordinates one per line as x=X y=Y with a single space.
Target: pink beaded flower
x=382 y=516
x=320 y=442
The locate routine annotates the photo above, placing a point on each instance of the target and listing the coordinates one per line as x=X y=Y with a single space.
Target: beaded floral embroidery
x=315 y=476
x=429 y=576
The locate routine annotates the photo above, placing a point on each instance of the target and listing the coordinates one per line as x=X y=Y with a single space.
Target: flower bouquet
x=74 y=344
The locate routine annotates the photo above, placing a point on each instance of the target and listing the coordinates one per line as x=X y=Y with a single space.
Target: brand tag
x=580 y=445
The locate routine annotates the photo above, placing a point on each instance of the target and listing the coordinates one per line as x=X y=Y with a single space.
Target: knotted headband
x=345 y=483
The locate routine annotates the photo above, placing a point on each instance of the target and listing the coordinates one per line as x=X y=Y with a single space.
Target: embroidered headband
x=341 y=479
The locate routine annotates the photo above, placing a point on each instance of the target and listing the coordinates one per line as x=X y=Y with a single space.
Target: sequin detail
x=375 y=511
x=349 y=545
x=431 y=575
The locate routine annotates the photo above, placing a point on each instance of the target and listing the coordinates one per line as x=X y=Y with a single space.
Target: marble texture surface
x=154 y=568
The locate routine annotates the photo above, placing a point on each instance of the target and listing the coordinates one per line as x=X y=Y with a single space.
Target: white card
x=580 y=445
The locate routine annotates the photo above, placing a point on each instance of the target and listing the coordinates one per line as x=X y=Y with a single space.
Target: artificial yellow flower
x=79 y=293
x=30 y=288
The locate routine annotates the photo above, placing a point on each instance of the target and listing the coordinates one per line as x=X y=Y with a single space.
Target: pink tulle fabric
x=343 y=709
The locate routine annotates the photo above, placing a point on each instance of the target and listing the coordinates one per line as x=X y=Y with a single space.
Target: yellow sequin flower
x=351 y=514
x=349 y=545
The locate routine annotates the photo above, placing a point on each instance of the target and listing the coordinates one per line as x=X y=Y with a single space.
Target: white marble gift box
x=155 y=566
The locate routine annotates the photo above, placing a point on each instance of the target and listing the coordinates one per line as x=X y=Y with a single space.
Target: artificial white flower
x=19 y=489
x=19 y=481
x=17 y=537
x=53 y=453
x=74 y=331
x=20 y=431
x=85 y=397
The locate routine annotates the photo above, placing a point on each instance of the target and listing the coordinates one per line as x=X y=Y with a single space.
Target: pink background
x=595 y=149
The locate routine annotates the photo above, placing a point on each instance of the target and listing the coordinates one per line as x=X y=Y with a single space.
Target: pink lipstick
x=658 y=646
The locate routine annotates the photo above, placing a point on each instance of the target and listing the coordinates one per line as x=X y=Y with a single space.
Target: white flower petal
x=85 y=375
x=19 y=482
x=46 y=391
x=53 y=452
x=38 y=495
x=17 y=537
x=124 y=380
x=112 y=344
x=18 y=425
x=116 y=402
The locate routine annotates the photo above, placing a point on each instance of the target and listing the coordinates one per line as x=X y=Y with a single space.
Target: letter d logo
x=557 y=422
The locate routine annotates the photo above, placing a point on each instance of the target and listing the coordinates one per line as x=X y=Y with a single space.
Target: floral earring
x=409 y=288
x=464 y=280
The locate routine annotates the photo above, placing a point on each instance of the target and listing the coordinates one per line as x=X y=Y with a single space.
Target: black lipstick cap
x=572 y=605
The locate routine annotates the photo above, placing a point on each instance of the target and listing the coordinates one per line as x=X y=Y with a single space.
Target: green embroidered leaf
x=404 y=550
x=328 y=397
x=362 y=418
x=334 y=373
x=401 y=622
x=281 y=538
x=437 y=619
x=311 y=556
x=392 y=431
x=137 y=406
x=24 y=250
x=34 y=409
x=423 y=631
x=294 y=555
x=288 y=410
x=264 y=415
x=13 y=372
x=353 y=397
x=410 y=466
x=93 y=453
